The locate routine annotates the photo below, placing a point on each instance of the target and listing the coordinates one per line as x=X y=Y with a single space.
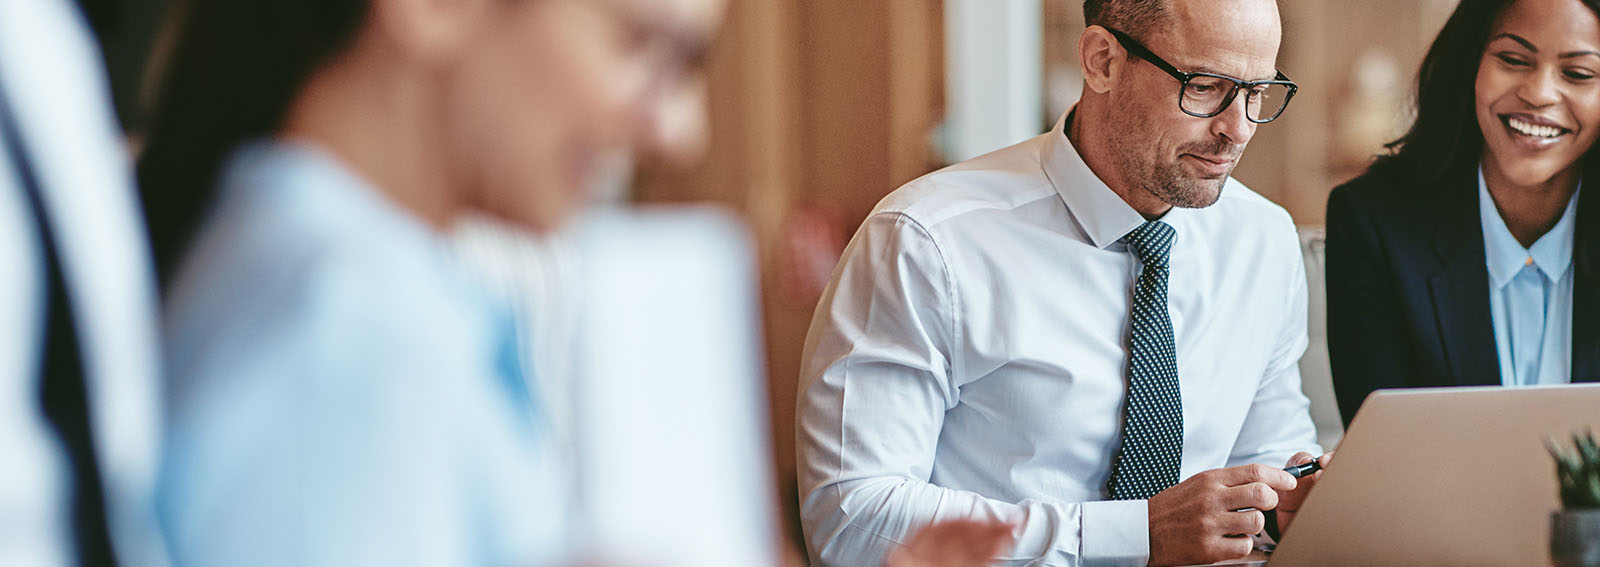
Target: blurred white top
x=51 y=74
x=969 y=359
x=342 y=394
x=671 y=407
x=644 y=330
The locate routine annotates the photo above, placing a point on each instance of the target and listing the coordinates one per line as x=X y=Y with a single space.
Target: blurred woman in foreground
x=341 y=393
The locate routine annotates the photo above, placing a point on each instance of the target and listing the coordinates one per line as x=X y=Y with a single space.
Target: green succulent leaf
x=1578 y=470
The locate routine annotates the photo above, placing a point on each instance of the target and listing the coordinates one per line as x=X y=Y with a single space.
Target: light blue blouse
x=1530 y=295
x=340 y=393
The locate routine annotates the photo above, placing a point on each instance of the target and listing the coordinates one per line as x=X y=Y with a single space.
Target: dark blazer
x=1408 y=288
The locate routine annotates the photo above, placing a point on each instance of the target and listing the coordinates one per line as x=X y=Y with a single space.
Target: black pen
x=1298 y=471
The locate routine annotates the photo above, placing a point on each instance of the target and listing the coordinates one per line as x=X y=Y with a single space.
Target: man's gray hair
x=1134 y=17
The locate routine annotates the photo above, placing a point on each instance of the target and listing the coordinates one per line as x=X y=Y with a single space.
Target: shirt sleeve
x=1279 y=424
x=876 y=383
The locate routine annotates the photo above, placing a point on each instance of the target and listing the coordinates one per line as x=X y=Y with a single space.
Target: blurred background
x=821 y=107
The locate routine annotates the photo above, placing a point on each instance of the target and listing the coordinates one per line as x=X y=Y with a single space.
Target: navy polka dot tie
x=1152 y=433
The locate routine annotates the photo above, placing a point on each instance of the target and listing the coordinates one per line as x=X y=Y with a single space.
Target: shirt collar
x=1551 y=253
x=1104 y=216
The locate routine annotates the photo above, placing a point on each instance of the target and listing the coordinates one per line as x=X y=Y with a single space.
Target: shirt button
x=1529 y=262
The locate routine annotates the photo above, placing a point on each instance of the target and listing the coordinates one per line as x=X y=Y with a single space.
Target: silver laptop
x=1454 y=476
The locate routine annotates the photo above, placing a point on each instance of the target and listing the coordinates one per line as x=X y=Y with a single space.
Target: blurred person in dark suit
x=79 y=398
x=1468 y=255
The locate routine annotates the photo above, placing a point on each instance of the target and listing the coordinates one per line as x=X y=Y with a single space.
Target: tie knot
x=1152 y=242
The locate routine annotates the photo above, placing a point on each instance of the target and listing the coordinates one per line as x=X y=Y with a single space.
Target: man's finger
x=1228 y=548
x=1254 y=495
x=1248 y=522
x=1274 y=477
x=1301 y=458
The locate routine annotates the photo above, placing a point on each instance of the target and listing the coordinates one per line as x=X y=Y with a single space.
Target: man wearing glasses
x=1092 y=335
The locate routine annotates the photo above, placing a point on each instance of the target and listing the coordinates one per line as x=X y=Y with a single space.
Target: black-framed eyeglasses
x=1204 y=95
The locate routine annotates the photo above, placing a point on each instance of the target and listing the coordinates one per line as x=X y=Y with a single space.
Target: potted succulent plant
x=1575 y=529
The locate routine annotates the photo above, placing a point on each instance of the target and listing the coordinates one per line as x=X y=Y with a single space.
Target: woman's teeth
x=1536 y=131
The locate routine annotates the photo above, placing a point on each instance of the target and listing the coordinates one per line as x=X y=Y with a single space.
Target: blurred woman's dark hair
x=227 y=73
x=1445 y=135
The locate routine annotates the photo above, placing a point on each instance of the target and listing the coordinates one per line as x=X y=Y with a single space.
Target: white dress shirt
x=51 y=75
x=969 y=358
x=1530 y=295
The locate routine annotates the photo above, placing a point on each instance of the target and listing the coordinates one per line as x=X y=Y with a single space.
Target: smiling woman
x=1467 y=255
x=1538 y=107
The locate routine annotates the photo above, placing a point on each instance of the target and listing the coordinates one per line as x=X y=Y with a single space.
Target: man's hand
x=1211 y=516
x=959 y=543
x=1289 y=501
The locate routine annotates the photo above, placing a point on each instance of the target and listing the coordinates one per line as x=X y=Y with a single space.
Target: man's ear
x=429 y=29
x=1102 y=57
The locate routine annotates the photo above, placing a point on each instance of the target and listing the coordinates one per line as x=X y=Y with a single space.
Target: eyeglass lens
x=1206 y=95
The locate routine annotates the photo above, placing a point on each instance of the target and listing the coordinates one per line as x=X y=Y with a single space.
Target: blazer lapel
x=1586 y=289
x=1460 y=289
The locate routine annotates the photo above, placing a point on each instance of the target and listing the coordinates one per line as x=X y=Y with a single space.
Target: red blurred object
x=812 y=240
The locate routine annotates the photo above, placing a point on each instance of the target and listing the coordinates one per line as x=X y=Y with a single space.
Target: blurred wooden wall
x=819 y=108
x=1330 y=49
